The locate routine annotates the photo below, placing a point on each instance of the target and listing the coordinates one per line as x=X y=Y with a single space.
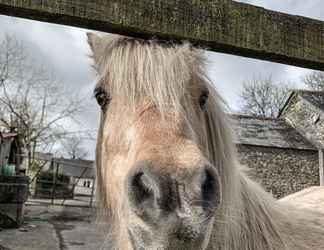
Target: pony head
x=164 y=150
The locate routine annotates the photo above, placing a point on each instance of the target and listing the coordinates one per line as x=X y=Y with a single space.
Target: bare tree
x=314 y=81
x=32 y=101
x=72 y=147
x=262 y=97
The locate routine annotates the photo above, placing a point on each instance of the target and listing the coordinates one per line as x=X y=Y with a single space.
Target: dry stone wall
x=281 y=171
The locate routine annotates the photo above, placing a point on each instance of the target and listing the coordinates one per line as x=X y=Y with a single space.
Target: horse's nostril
x=210 y=189
x=142 y=191
x=140 y=188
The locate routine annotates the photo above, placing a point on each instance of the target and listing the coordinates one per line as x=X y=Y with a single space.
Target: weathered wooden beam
x=219 y=25
x=321 y=166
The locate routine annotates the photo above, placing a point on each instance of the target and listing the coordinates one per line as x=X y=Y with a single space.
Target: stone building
x=285 y=154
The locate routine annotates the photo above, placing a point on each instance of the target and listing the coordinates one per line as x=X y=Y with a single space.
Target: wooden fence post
x=54 y=182
x=92 y=191
x=321 y=166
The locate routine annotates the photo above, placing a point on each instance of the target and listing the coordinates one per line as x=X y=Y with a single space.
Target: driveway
x=55 y=228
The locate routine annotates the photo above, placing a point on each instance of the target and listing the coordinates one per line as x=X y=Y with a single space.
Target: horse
x=168 y=175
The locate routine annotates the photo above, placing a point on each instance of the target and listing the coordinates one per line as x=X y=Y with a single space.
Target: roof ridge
x=309 y=91
x=268 y=132
x=255 y=117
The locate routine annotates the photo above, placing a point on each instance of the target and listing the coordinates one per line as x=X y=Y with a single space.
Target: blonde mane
x=249 y=218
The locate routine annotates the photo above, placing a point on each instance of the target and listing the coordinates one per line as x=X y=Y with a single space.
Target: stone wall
x=281 y=171
x=307 y=119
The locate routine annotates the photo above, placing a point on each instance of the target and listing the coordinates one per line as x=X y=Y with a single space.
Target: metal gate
x=64 y=182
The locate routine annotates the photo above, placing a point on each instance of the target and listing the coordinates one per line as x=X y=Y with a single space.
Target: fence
x=219 y=25
x=60 y=181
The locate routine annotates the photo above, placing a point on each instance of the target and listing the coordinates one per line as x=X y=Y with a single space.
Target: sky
x=66 y=51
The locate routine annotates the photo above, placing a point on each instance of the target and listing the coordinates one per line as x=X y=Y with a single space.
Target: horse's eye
x=102 y=97
x=203 y=99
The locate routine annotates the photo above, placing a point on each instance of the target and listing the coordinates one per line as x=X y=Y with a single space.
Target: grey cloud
x=229 y=72
x=63 y=49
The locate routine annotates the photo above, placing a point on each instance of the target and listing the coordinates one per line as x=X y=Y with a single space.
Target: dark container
x=13 y=195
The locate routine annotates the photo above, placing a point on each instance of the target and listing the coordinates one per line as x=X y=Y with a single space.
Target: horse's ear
x=96 y=44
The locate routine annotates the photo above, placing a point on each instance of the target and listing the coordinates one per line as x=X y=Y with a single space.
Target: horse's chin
x=136 y=244
x=141 y=239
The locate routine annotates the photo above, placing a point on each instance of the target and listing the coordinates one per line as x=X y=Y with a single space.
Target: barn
x=284 y=154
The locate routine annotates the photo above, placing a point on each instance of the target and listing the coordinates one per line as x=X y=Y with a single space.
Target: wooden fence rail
x=219 y=25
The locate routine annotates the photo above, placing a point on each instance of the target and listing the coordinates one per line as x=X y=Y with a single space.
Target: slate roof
x=76 y=167
x=43 y=156
x=268 y=132
x=314 y=97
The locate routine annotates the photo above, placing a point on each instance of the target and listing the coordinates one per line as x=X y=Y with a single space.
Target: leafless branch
x=314 y=81
x=262 y=97
x=32 y=100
